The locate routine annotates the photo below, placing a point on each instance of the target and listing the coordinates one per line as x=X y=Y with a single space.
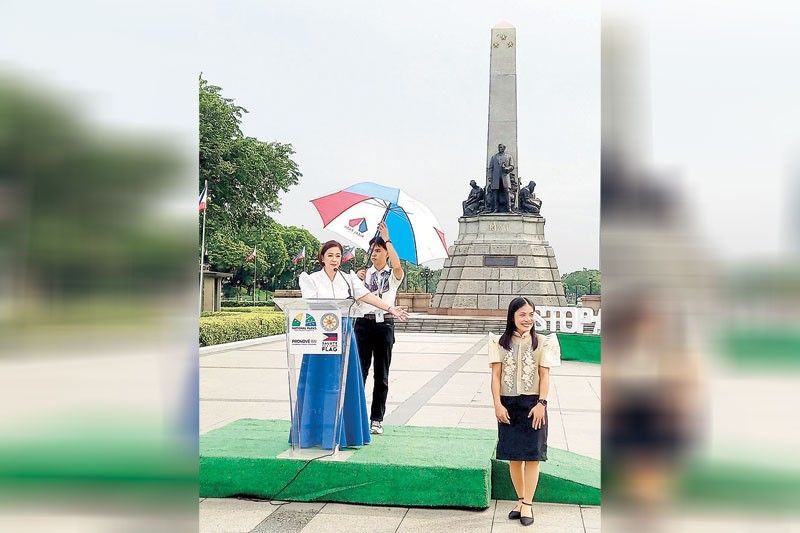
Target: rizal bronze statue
x=499 y=181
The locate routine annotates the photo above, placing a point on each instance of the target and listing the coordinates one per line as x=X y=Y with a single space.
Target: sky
x=397 y=93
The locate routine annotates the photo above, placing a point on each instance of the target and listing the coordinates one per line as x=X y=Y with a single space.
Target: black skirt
x=518 y=441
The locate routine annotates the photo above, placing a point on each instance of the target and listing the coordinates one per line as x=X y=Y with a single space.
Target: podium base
x=319 y=454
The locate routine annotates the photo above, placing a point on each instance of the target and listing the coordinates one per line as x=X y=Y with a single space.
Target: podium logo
x=329 y=322
x=306 y=323
x=357 y=226
x=330 y=346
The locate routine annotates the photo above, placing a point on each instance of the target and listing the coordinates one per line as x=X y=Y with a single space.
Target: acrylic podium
x=317 y=347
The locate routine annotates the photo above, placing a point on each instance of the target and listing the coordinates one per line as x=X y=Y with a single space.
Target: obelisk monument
x=500 y=253
x=503 y=91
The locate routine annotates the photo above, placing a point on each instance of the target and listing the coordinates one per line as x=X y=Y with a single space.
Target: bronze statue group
x=501 y=194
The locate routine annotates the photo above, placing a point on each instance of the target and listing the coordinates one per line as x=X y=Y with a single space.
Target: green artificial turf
x=565 y=477
x=577 y=347
x=407 y=466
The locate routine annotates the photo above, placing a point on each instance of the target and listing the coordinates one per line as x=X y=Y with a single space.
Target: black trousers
x=375 y=341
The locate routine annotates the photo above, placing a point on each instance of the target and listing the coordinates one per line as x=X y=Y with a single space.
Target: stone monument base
x=496 y=258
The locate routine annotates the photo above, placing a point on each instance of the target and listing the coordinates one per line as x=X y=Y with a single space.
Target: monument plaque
x=500 y=260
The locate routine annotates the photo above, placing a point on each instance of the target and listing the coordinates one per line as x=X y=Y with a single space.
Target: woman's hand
x=537 y=413
x=398 y=312
x=501 y=413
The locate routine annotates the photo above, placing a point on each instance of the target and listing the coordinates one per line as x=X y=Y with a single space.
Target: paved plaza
x=436 y=380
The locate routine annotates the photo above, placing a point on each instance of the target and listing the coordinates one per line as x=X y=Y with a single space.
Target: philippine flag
x=300 y=256
x=331 y=337
x=201 y=206
x=349 y=253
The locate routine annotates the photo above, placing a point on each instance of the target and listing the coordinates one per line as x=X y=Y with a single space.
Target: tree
x=580 y=282
x=245 y=175
x=421 y=278
x=357 y=263
x=228 y=250
x=295 y=239
x=272 y=257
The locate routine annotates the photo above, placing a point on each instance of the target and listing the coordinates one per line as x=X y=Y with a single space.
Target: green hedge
x=261 y=310
x=247 y=303
x=223 y=327
x=243 y=323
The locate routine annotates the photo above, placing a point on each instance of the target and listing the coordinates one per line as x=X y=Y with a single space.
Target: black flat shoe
x=514 y=515
x=526 y=520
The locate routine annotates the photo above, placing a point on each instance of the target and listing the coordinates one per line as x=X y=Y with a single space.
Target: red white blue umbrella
x=355 y=212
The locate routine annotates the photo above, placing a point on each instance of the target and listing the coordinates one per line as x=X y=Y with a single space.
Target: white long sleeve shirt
x=319 y=285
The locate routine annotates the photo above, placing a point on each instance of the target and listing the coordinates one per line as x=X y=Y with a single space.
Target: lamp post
x=426 y=274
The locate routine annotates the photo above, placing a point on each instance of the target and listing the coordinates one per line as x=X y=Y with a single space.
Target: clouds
x=399 y=95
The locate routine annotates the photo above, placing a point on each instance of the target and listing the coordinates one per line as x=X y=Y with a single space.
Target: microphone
x=349 y=290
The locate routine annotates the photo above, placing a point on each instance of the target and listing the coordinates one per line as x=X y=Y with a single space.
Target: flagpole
x=255 y=271
x=304 y=267
x=202 y=248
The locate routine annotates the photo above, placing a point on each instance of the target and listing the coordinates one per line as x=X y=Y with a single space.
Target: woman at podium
x=318 y=383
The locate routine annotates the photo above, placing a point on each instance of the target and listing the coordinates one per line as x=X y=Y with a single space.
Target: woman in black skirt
x=521 y=359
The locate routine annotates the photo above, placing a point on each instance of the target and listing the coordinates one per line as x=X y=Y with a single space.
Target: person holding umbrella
x=375 y=331
x=416 y=237
x=316 y=392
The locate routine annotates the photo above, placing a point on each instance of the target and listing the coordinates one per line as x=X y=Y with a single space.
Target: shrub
x=220 y=328
x=245 y=303
x=262 y=310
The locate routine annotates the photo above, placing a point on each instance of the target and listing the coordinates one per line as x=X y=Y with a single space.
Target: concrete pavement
x=435 y=380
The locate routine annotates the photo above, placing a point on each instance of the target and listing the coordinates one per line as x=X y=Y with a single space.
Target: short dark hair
x=378 y=241
x=327 y=246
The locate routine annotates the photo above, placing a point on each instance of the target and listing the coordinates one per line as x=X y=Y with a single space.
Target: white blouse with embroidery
x=520 y=372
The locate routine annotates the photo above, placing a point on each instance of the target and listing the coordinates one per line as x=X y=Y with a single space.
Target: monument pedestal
x=495 y=259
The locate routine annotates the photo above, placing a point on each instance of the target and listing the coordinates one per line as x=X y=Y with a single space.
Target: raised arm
x=397 y=269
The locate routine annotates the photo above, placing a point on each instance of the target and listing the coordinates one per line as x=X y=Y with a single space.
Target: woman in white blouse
x=521 y=360
x=317 y=391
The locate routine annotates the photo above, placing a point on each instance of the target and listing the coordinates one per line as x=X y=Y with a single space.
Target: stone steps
x=450 y=325
x=446 y=324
